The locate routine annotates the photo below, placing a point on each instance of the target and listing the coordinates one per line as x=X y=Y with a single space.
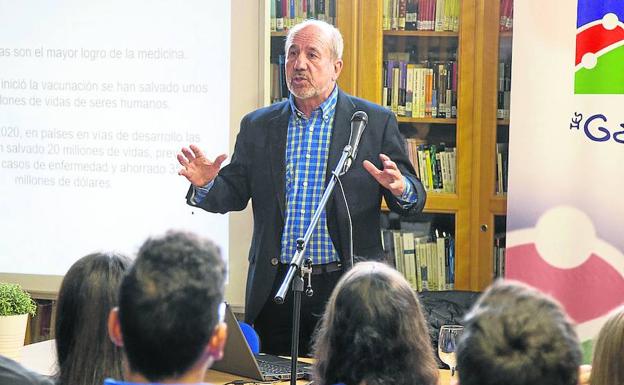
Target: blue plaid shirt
x=307 y=150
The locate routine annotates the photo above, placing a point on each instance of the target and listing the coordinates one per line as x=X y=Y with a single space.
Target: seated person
x=608 y=362
x=15 y=374
x=373 y=332
x=86 y=356
x=515 y=335
x=169 y=321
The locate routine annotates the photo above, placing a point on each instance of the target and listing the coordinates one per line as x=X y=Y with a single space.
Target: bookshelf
x=474 y=212
x=448 y=211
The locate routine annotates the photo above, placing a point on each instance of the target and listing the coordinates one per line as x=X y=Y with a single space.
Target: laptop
x=239 y=360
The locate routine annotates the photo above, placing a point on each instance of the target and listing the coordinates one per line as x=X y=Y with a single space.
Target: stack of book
x=506 y=15
x=427 y=262
x=435 y=165
x=419 y=90
x=286 y=13
x=421 y=15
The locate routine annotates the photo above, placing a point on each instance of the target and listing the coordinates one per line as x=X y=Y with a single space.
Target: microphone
x=359 y=120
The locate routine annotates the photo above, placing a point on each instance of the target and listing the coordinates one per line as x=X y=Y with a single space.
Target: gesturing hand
x=390 y=177
x=198 y=169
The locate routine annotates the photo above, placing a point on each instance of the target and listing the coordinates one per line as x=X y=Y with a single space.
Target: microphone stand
x=296 y=271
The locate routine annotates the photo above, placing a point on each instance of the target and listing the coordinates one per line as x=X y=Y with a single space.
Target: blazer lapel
x=278 y=129
x=340 y=132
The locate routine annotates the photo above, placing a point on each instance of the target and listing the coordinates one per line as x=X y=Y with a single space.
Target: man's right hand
x=198 y=169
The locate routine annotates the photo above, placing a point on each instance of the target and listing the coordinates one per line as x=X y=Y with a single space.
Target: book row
x=286 y=13
x=423 y=90
x=421 y=15
x=427 y=262
x=435 y=165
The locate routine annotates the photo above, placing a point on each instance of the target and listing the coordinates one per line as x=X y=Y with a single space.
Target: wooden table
x=41 y=358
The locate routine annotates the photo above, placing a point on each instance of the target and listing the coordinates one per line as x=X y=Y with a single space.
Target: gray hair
x=332 y=35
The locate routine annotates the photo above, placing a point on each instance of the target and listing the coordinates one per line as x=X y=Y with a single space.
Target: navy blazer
x=257 y=172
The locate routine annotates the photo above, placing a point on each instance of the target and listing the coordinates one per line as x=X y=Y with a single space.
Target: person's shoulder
x=13 y=373
x=365 y=105
x=266 y=113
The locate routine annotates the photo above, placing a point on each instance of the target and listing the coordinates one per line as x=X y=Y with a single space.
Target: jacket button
x=274 y=261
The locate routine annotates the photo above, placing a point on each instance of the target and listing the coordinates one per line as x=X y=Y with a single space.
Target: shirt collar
x=327 y=107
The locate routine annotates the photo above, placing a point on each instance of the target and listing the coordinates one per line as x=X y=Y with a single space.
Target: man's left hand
x=390 y=177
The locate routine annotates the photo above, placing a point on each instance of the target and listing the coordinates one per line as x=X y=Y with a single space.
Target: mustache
x=301 y=75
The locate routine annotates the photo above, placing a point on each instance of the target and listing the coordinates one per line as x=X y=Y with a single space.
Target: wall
x=247 y=94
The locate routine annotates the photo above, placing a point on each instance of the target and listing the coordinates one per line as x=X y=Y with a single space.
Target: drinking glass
x=447 y=344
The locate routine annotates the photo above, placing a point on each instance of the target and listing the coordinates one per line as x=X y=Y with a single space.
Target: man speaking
x=283 y=158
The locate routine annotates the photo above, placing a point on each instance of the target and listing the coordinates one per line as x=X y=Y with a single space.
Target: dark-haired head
x=169 y=307
x=86 y=356
x=373 y=331
x=515 y=335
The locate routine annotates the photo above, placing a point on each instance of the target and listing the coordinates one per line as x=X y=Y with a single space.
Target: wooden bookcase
x=372 y=40
x=477 y=211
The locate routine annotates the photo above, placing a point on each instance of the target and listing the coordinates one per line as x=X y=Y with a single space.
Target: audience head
x=608 y=362
x=170 y=304
x=515 y=335
x=373 y=331
x=89 y=290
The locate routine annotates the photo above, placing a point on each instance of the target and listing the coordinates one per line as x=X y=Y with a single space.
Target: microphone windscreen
x=359 y=116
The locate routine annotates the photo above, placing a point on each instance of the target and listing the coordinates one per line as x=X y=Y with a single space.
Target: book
x=387 y=14
x=411 y=15
x=396 y=89
x=502 y=150
x=402 y=88
x=394 y=19
x=398 y=252
x=439 y=15
x=402 y=11
x=506 y=15
x=387 y=243
x=440 y=248
x=389 y=82
x=499 y=256
x=273 y=17
x=409 y=258
x=279 y=15
x=409 y=90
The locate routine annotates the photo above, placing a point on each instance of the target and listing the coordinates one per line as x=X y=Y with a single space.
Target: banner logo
x=599 y=64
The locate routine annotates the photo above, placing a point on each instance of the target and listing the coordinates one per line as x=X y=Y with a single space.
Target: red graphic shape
x=595 y=38
x=586 y=292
